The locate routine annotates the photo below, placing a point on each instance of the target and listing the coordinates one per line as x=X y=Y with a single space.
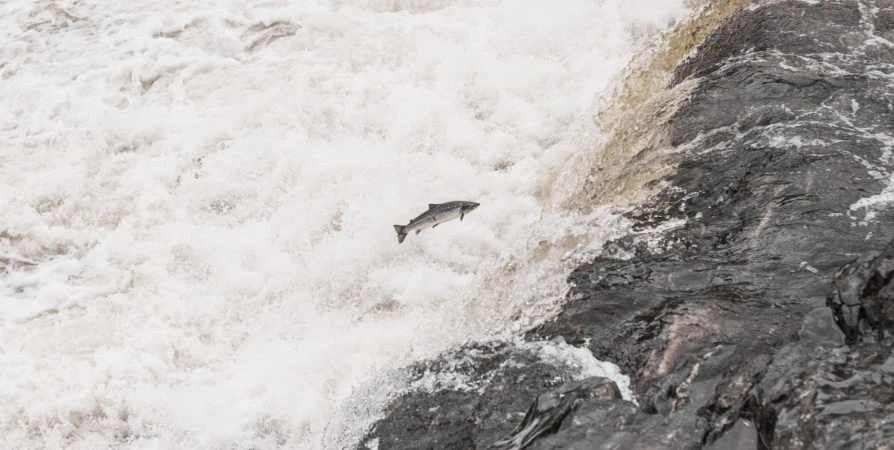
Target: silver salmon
x=436 y=215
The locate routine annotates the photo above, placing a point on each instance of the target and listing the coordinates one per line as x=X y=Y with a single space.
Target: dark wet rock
x=820 y=330
x=863 y=298
x=752 y=322
x=616 y=424
x=469 y=398
x=549 y=410
x=832 y=395
x=742 y=436
x=776 y=145
x=834 y=399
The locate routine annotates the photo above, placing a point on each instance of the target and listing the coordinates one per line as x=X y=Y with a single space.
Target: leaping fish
x=436 y=215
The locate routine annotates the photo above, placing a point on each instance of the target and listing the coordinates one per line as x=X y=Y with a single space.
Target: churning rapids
x=197 y=199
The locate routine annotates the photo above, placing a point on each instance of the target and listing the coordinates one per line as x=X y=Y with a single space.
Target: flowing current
x=197 y=200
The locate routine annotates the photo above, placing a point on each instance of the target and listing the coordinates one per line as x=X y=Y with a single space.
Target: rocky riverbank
x=764 y=319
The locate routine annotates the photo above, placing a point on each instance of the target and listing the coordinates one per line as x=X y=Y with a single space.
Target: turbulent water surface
x=197 y=200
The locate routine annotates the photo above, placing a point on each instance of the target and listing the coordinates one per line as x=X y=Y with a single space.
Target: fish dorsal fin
x=432 y=205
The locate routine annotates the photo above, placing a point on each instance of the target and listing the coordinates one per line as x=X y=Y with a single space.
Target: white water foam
x=196 y=201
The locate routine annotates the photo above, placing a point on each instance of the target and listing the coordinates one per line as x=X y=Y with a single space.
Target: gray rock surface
x=469 y=398
x=557 y=409
x=820 y=393
x=754 y=324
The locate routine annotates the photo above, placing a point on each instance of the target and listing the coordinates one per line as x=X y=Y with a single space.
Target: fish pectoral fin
x=461 y=215
x=435 y=225
x=418 y=231
x=432 y=205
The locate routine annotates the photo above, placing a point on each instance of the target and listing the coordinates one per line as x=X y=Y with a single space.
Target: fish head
x=469 y=207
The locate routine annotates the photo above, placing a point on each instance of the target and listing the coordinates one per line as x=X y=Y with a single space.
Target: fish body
x=437 y=214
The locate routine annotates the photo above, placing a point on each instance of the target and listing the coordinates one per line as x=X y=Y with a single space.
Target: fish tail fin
x=401 y=235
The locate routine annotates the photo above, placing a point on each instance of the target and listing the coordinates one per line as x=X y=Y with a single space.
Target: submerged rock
x=752 y=323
